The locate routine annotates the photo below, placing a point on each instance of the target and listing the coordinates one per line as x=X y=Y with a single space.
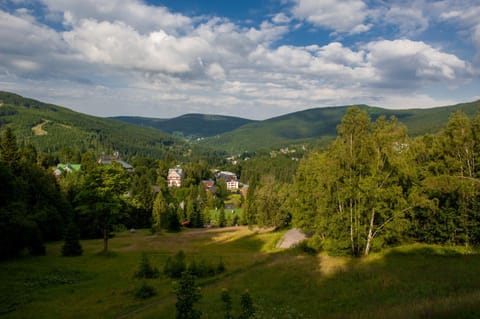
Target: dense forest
x=372 y=187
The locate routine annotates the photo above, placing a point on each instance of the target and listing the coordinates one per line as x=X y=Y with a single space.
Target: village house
x=229 y=178
x=67 y=168
x=175 y=177
x=108 y=160
x=209 y=185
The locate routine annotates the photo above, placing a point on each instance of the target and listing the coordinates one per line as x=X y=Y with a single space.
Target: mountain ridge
x=231 y=134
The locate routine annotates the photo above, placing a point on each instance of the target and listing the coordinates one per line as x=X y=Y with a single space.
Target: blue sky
x=254 y=59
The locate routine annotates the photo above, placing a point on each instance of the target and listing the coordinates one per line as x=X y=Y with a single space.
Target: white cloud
x=341 y=16
x=216 y=72
x=281 y=18
x=406 y=63
x=135 y=13
x=410 y=20
x=120 y=45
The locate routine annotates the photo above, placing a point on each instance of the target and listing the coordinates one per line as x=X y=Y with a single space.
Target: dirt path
x=38 y=129
x=291 y=238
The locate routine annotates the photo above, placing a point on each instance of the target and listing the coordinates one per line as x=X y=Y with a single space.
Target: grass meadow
x=414 y=281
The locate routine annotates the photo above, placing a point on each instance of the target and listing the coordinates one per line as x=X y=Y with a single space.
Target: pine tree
x=187 y=295
x=248 y=310
x=222 y=221
x=227 y=304
x=9 y=148
x=72 y=246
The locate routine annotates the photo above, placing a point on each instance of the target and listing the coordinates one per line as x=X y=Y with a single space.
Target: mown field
x=415 y=281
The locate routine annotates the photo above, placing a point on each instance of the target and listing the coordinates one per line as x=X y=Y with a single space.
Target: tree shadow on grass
x=419 y=282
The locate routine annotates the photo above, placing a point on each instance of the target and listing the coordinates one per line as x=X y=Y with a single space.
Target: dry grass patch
x=332 y=265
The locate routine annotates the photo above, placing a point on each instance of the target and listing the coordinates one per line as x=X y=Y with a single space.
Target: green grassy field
x=415 y=281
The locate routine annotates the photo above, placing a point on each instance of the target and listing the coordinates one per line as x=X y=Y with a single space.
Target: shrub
x=220 y=266
x=175 y=266
x=305 y=247
x=227 y=304
x=145 y=269
x=71 y=246
x=246 y=303
x=144 y=291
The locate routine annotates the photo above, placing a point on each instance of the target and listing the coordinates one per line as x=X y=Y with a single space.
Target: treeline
x=375 y=187
x=32 y=207
x=35 y=207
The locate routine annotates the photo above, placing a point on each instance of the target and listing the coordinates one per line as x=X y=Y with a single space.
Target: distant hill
x=319 y=125
x=52 y=128
x=190 y=125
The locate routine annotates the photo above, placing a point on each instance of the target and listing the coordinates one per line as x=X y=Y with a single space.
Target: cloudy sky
x=249 y=58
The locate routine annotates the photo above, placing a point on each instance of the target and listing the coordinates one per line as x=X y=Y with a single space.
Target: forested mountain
x=190 y=125
x=319 y=126
x=54 y=129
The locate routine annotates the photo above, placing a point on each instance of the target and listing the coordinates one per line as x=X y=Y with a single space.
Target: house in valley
x=108 y=160
x=175 y=177
x=229 y=178
x=209 y=185
x=67 y=168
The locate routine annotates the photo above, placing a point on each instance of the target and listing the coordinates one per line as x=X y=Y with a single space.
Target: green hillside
x=190 y=125
x=51 y=128
x=320 y=124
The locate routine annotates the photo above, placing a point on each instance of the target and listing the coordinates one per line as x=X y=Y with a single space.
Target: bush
x=220 y=266
x=305 y=247
x=246 y=303
x=175 y=266
x=145 y=269
x=144 y=291
x=71 y=246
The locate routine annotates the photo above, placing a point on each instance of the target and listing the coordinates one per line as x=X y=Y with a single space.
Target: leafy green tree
x=173 y=223
x=357 y=190
x=187 y=294
x=160 y=212
x=221 y=193
x=103 y=196
x=249 y=208
x=271 y=203
x=141 y=199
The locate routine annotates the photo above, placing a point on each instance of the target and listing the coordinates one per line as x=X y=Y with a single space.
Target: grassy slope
x=321 y=123
x=66 y=128
x=193 y=125
x=408 y=282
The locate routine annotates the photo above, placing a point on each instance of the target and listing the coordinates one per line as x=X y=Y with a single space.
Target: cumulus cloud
x=409 y=20
x=407 y=63
x=120 y=45
x=341 y=16
x=135 y=13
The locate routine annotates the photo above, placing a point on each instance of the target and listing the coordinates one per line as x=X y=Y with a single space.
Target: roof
x=176 y=170
x=107 y=160
x=69 y=167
